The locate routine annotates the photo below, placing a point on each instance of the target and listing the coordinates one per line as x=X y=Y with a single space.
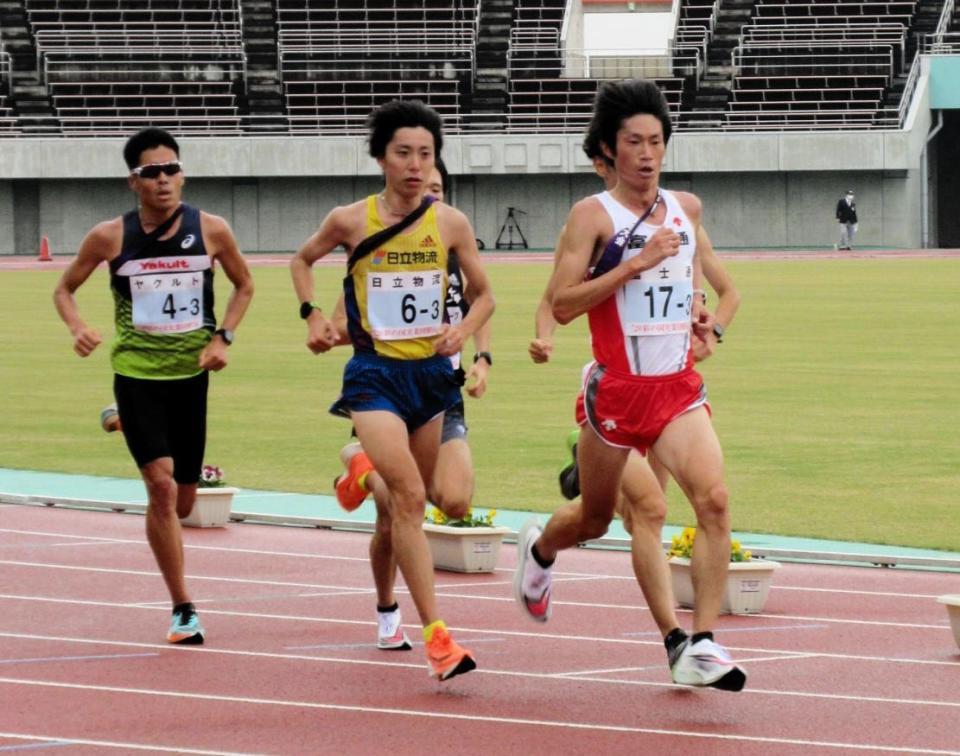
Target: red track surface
x=844 y=659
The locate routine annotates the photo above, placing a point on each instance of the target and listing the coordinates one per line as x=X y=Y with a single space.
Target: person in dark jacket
x=847 y=218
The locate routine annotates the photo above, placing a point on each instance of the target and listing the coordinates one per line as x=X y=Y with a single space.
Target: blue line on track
x=35 y=746
x=76 y=658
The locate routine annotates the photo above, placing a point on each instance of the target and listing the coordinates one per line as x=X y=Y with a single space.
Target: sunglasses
x=152 y=170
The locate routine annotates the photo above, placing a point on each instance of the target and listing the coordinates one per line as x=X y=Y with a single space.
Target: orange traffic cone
x=45 y=250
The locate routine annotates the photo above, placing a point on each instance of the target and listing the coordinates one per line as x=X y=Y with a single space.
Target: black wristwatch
x=718 y=331
x=224 y=334
x=306 y=308
x=483 y=356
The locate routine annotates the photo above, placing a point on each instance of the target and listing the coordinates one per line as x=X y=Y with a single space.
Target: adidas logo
x=427 y=241
x=610 y=425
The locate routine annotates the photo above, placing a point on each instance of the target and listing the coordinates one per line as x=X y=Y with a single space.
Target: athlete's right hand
x=85 y=340
x=663 y=244
x=321 y=335
x=540 y=350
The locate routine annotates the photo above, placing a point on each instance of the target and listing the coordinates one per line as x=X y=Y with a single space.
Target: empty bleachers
x=112 y=67
x=552 y=89
x=825 y=64
x=8 y=119
x=341 y=59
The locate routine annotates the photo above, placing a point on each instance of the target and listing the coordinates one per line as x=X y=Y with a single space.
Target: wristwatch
x=483 y=356
x=718 y=331
x=224 y=334
x=306 y=308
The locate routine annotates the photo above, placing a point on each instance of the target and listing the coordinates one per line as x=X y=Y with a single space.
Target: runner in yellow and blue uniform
x=400 y=381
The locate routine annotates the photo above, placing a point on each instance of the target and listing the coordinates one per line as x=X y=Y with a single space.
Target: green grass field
x=834 y=395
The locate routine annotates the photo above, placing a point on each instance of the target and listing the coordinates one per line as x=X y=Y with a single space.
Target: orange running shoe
x=446 y=658
x=350 y=492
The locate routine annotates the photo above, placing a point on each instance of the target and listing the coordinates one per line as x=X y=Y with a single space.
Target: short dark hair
x=399 y=114
x=618 y=100
x=444 y=176
x=147 y=139
x=591 y=145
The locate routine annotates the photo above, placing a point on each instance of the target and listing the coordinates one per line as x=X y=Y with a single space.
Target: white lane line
x=486 y=719
x=153 y=574
x=497 y=672
x=557 y=573
x=114 y=744
x=646 y=668
x=512 y=633
x=442 y=593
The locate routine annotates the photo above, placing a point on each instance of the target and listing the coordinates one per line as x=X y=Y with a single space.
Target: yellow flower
x=682 y=546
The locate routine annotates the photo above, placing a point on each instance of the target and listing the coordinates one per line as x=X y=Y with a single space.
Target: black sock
x=186 y=609
x=539 y=559
x=674 y=638
x=384 y=609
x=700 y=636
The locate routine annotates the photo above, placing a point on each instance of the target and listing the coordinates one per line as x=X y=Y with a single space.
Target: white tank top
x=644 y=328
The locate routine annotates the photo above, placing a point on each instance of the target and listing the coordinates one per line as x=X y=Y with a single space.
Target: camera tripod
x=509 y=224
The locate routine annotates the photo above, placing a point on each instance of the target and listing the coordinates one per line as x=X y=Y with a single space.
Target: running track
x=339 y=259
x=845 y=659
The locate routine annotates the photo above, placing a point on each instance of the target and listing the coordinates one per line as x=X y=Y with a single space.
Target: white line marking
x=557 y=574
x=497 y=672
x=615 y=670
x=441 y=593
x=512 y=633
x=114 y=744
x=153 y=574
x=477 y=717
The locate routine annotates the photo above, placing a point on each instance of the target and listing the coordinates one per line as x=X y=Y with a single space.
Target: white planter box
x=953 y=610
x=748 y=584
x=464 y=549
x=212 y=508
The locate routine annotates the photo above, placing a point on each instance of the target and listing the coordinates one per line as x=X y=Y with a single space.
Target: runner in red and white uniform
x=629 y=261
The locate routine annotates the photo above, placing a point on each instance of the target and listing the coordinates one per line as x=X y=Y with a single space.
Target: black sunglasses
x=152 y=170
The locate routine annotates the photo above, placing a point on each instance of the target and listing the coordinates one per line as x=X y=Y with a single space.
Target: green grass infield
x=834 y=395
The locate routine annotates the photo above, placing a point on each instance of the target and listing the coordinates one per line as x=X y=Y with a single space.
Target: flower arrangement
x=470 y=520
x=682 y=546
x=211 y=476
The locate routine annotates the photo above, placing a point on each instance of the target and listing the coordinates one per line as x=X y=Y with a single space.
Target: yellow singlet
x=394 y=296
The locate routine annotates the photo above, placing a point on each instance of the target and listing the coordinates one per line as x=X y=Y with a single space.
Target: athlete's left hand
x=478 y=374
x=214 y=355
x=702 y=321
x=449 y=341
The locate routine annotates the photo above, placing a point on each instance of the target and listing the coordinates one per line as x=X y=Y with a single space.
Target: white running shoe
x=390 y=635
x=706 y=663
x=531 y=582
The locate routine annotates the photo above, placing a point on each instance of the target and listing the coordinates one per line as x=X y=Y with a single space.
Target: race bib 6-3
x=404 y=305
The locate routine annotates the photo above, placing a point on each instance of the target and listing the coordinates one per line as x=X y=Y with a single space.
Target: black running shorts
x=165 y=418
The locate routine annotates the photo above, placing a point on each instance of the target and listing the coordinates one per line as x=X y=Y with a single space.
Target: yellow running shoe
x=446 y=658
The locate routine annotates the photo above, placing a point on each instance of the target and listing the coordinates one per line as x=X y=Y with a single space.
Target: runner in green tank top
x=161 y=275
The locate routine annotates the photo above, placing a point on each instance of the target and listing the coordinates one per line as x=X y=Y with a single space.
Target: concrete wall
x=759 y=190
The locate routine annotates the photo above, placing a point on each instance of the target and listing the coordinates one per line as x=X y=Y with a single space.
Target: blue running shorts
x=414 y=390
